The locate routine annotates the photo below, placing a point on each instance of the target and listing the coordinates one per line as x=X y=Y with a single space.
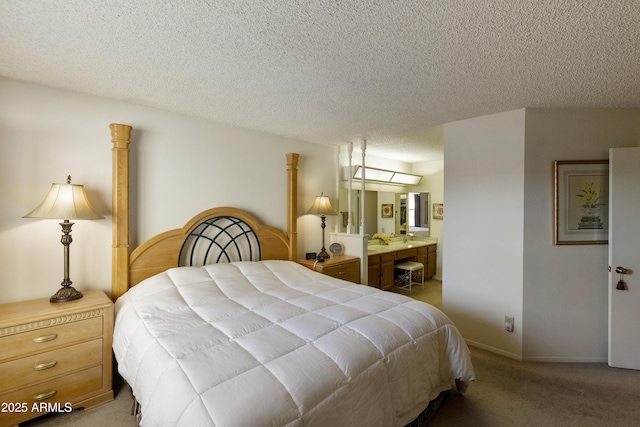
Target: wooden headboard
x=162 y=251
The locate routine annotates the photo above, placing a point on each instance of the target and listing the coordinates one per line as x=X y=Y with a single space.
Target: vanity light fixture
x=322 y=206
x=65 y=202
x=384 y=176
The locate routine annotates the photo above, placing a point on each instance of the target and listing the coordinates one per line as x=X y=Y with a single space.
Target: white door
x=624 y=251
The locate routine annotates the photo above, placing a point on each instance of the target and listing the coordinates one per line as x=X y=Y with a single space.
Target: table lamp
x=322 y=206
x=65 y=202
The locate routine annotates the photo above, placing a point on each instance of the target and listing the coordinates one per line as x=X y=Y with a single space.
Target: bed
x=216 y=324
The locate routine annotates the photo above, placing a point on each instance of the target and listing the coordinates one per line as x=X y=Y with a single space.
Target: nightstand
x=342 y=267
x=55 y=356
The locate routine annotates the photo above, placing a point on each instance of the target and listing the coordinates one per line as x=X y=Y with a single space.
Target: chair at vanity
x=409 y=271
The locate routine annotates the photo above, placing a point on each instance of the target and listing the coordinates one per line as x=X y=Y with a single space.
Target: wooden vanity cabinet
x=431 y=262
x=381 y=271
x=423 y=258
x=381 y=265
x=426 y=255
x=374 y=271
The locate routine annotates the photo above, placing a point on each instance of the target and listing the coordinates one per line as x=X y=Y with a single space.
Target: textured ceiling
x=331 y=71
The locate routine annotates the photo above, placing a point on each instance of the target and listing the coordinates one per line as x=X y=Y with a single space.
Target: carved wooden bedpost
x=120 y=135
x=292 y=204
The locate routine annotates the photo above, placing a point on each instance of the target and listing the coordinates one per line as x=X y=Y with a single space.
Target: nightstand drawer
x=343 y=267
x=347 y=271
x=43 y=366
x=44 y=339
x=61 y=390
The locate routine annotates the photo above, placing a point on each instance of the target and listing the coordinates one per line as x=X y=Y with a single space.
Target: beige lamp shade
x=321 y=206
x=65 y=201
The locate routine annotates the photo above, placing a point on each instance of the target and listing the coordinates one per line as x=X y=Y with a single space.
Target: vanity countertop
x=376 y=248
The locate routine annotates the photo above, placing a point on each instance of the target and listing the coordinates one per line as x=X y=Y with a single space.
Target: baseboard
x=565 y=359
x=495 y=350
x=546 y=359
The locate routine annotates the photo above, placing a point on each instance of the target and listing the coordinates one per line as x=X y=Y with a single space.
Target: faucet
x=405 y=239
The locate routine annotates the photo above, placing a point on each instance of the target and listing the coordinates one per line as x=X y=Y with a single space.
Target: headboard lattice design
x=220 y=239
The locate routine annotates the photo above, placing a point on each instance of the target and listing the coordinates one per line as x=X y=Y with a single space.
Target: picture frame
x=581 y=199
x=387 y=210
x=438 y=211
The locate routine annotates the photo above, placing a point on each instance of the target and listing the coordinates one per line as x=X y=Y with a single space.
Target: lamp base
x=66 y=293
x=322 y=255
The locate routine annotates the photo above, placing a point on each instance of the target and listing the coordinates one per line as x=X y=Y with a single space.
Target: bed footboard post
x=120 y=135
x=292 y=204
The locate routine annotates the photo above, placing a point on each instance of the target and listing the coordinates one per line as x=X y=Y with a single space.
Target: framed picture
x=438 y=211
x=581 y=198
x=387 y=211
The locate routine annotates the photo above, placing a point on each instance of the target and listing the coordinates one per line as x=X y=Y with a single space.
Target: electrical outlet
x=508 y=324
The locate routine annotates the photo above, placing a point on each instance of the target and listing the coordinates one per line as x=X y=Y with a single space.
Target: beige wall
x=565 y=287
x=482 y=259
x=180 y=166
x=499 y=255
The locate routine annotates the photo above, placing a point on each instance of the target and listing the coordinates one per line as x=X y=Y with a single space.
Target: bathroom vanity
x=382 y=260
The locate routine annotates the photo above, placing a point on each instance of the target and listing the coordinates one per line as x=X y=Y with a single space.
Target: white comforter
x=273 y=343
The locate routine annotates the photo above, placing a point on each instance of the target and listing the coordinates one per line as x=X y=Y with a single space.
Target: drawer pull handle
x=341 y=273
x=46 y=338
x=47 y=365
x=46 y=395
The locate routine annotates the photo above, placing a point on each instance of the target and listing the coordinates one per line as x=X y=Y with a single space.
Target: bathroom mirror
x=386 y=212
x=418 y=211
